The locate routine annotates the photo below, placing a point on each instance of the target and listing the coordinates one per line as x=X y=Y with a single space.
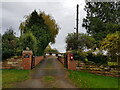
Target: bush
x=112 y=63
x=76 y=56
x=7 y=53
x=9 y=44
x=101 y=59
x=28 y=40
x=79 y=55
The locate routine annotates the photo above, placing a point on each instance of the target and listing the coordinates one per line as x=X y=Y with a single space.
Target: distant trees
x=37 y=31
x=13 y=46
x=50 y=50
x=103 y=24
x=79 y=43
x=43 y=27
x=83 y=41
x=102 y=18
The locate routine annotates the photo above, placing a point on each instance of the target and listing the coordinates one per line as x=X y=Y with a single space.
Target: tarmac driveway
x=50 y=73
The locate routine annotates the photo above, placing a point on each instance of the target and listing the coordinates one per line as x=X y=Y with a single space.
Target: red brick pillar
x=71 y=62
x=27 y=59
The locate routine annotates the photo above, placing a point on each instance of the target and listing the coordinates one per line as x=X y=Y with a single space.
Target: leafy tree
x=9 y=43
x=55 y=50
x=42 y=36
x=50 y=50
x=51 y=23
x=44 y=28
x=102 y=18
x=79 y=55
x=34 y=19
x=47 y=49
x=112 y=44
x=18 y=49
x=83 y=42
x=28 y=40
x=22 y=27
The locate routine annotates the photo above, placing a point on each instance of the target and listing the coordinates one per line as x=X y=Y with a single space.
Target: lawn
x=9 y=77
x=87 y=80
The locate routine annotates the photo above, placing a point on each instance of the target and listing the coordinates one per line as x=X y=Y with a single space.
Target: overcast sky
x=63 y=11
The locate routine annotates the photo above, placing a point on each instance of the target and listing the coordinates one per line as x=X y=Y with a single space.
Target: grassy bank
x=87 y=80
x=9 y=77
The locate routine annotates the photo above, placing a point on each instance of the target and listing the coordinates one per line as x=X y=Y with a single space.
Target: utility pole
x=77 y=14
x=77 y=19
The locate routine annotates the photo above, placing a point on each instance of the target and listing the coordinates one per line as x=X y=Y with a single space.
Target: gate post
x=27 y=59
x=70 y=61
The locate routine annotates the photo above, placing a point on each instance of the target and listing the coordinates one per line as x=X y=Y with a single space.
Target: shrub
x=28 y=40
x=99 y=58
x=9 y=44
x=79 y=55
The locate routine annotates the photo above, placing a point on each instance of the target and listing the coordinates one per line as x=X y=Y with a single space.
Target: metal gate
x=65 y=61
x=33 y=62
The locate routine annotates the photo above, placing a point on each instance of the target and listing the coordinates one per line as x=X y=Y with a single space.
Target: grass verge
x=49 y=78
x=87 y=80
x=9 y=77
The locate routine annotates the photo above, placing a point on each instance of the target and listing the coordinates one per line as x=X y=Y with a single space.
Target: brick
x=71 y=63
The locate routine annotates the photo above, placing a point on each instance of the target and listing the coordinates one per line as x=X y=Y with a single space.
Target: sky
x=63 y=11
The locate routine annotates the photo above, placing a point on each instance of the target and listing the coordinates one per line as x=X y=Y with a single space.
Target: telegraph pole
x=77 y=19
x=77 y=14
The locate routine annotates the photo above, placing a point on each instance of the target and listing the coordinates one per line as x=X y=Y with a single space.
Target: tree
x=83 y=42
x=51 y=23
x=9 y=43
x=50 y=50
x=22 y=27
x=43 y=27
x=28 y=40
x=42 y=36
x=112 y=44
x=47 y=49
x=102 y=18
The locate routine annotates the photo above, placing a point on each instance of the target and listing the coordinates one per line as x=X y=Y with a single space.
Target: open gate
x=65 y=61
x=33 y=62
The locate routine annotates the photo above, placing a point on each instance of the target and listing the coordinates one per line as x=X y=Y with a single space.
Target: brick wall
x=12 y=63
x=71 y=65
x=26 y=63
x=38 y=59
x=21 y=62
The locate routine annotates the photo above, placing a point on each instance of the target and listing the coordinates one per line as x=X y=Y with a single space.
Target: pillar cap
x=27 y=52
x=68 y=51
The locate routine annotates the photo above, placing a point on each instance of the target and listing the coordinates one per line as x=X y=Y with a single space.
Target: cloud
x=63 y=11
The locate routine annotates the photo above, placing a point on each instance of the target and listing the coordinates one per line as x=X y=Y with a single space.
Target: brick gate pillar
x=71 y=61
x=27 y=59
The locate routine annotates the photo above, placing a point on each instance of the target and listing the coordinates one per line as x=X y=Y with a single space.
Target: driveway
x=50 y=73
